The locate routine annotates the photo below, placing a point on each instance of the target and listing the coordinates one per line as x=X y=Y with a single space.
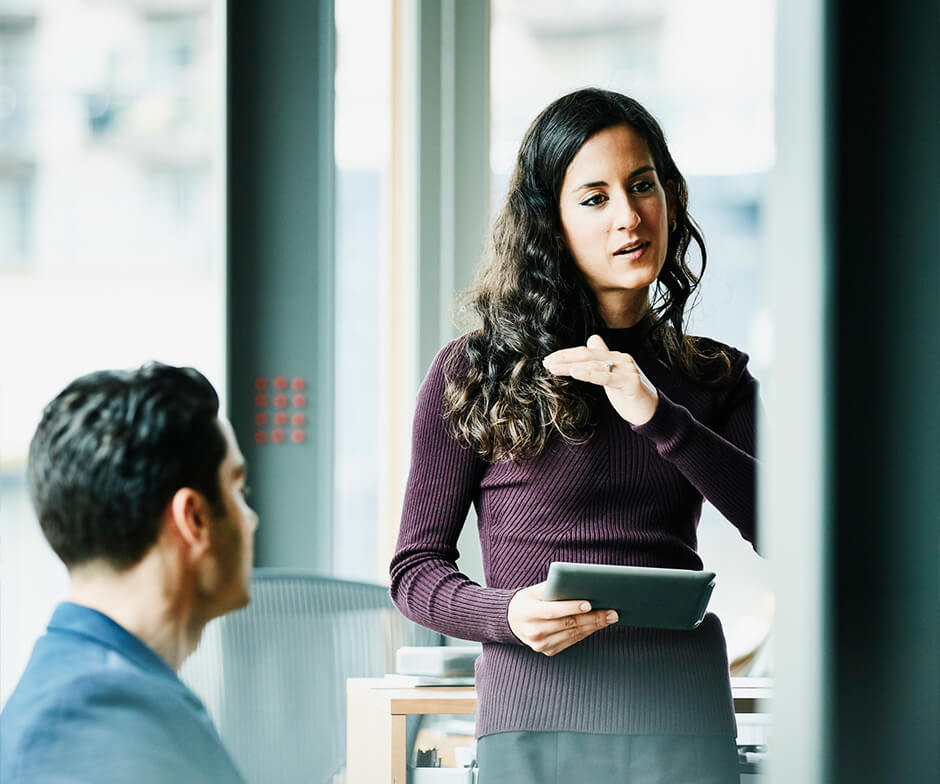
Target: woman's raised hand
x=628 y=389
x=550 y=627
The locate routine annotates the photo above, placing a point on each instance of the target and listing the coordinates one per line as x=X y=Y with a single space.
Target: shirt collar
x=78 y=619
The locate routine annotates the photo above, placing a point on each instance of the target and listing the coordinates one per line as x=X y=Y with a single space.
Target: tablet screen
x=641 y=595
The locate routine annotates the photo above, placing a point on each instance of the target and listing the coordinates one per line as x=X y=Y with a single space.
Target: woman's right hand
x=549 y=627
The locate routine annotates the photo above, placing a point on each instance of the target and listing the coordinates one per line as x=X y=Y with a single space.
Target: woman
x=584 y=425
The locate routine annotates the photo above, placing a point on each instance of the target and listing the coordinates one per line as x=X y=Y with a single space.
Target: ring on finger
x=609 y=364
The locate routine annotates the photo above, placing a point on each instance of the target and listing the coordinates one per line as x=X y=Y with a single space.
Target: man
x=139 y=487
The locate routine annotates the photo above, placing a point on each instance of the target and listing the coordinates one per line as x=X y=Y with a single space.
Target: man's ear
x=190 y=520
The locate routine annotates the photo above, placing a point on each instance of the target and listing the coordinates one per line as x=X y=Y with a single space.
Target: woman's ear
x=189 y=520
x=671 y=202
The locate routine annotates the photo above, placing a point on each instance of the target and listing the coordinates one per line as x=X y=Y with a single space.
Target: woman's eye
x=593 y=201
x=644 y=186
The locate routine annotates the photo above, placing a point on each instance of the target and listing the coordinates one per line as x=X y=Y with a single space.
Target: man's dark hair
x=111 y=450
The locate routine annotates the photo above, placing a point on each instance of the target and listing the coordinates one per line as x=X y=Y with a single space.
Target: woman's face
x=615 y=214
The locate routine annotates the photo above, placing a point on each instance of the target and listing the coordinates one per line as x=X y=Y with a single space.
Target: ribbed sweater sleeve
x=443 y=480
x=719 y=462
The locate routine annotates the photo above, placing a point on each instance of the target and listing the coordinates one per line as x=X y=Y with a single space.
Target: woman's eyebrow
x=587 y=185
x=602 y=183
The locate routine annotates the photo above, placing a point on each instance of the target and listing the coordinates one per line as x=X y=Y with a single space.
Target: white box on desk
x=441 y=775
x=754 y=729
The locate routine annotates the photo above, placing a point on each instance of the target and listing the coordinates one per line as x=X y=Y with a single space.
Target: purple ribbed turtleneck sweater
x=628 y=495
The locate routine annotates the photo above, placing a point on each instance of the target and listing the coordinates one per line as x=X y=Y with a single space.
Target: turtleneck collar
x=625 y=338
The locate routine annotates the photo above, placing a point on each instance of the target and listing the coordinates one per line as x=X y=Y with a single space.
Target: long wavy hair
x=531 y=299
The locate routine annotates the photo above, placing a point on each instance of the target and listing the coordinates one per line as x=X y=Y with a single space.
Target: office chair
x=273 y=675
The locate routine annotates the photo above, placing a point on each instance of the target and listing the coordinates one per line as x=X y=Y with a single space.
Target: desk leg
x=369 y=736
x=399 y=753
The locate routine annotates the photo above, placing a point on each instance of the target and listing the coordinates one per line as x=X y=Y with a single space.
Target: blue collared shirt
x=95 y=704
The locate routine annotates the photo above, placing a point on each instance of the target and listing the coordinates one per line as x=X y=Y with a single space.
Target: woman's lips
x=632 y=252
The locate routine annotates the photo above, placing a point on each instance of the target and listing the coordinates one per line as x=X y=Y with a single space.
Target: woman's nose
x=627 y=215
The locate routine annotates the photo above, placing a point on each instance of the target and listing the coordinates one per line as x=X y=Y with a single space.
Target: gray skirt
x=571 y=757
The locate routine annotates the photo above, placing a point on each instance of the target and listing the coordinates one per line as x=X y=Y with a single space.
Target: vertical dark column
x=430 y=186
x=452 y=121
x=884 y=203
x=280 y=251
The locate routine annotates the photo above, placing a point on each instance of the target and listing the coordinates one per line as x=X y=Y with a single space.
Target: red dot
x=260 y=437
x=280 y=418
x=297 y=384
x=261 y=419
x=261 y=401
x=261 y=383
x=299 y=401
x=298 y=420
x=298 y=436
x=277 y=436
x=280 y=401
x=280 y=383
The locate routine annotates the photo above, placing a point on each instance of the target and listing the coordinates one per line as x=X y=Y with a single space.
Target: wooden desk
x=377 y=712
x=376 y=715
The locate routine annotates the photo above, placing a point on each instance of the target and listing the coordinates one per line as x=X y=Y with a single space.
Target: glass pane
x=363 y=39
x=111 y=241
x=705 y=71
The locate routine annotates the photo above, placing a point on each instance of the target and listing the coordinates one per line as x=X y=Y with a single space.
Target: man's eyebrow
x=602 y=183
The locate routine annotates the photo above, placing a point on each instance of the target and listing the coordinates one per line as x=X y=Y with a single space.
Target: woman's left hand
x=628 y=389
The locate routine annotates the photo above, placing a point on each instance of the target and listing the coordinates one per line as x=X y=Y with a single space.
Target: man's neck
x=146 y=600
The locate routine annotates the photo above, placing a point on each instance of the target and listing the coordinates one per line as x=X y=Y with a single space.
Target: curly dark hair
x=531 y=299
x=111 y=450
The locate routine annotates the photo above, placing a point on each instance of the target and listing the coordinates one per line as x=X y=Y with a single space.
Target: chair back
x=273 y=675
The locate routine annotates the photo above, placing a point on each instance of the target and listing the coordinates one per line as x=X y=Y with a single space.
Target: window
x=362 y=121
x=110 y=233
x=17 y=165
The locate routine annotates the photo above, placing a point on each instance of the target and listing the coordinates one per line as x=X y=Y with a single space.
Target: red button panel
x=280 y=418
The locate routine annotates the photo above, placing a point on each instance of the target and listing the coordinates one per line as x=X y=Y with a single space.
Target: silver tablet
x=641 y=595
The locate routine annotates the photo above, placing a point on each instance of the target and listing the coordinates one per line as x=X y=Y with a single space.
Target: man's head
x=120 y=455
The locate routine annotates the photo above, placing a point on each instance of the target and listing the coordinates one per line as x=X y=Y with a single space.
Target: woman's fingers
x=550 y=627
x=595 y=348
x=602 y=374
x=557 y=641
x=578 y=354
x=629 y=390
x=594 y=359
x=607 y=368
